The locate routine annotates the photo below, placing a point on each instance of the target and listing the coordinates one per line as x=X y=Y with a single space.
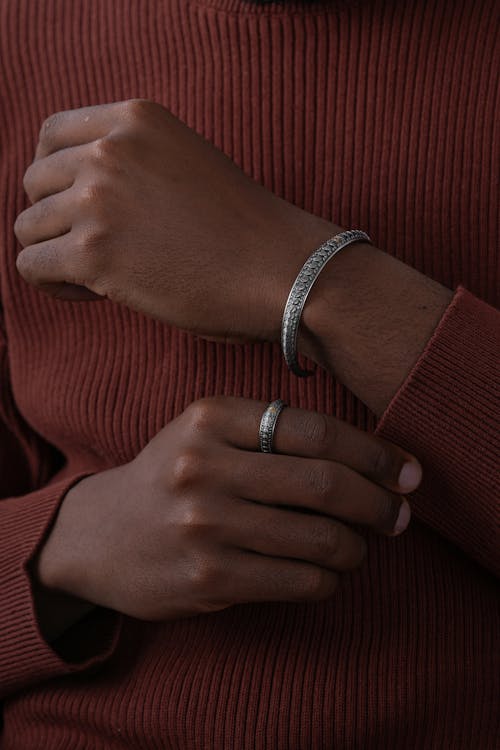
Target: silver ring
x=268 y=425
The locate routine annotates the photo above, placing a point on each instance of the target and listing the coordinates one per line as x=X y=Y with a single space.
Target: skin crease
x=89 y=235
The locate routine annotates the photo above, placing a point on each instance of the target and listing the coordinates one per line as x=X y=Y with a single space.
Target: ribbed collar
x=273 y=8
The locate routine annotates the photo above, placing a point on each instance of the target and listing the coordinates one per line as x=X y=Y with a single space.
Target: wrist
x=369 y=320
x=57 y=607
x=334 y=301
x=296 y=238
x=56 y=565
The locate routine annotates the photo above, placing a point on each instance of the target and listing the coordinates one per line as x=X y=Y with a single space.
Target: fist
x=131 y=204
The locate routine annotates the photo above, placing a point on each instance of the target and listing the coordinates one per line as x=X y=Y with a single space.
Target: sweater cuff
x=447 y=413
x=25 y=656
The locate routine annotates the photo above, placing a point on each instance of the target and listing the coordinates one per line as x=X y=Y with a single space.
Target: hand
x=131 y=204
x=200 y=520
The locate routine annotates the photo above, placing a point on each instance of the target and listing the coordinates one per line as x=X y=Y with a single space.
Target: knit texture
x=381 y=115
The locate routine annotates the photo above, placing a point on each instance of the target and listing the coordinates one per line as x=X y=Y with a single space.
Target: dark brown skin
x=200 y=520
x=130 y=204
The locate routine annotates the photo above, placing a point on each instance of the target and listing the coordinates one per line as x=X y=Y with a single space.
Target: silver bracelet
x=301 y=288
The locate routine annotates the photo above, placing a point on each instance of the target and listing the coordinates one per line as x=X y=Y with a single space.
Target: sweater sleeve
x=25 y=519
x=447 y=413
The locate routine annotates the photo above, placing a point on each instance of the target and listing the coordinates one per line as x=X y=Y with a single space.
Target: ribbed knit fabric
x=378 y=115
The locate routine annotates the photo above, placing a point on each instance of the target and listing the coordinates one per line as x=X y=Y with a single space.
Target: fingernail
x=410 y=476
x=403 y=518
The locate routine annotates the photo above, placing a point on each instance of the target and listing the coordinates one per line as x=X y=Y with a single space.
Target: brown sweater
x=379 y=115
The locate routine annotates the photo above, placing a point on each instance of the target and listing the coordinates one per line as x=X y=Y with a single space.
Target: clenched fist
x=200 y=520
x=131 y=204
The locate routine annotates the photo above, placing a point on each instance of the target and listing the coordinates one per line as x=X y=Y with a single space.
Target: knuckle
x=322 y=483
x=187 y=470
x=105 y=150
x=92 y=200
x=49 y=126
x=315 y=429
x=92 y=237
x=193 y=517
x=204 y=573
x=327 y=540
x=137 y=110
x=90 y=194
x=202 y=414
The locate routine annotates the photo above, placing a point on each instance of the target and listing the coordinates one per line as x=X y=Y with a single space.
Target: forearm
x=367 y=320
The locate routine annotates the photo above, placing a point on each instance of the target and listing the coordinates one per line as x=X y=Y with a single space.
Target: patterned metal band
x=268 y=425
x=301 y=288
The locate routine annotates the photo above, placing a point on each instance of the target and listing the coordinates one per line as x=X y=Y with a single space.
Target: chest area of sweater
x=383 y=660
x=100 y=381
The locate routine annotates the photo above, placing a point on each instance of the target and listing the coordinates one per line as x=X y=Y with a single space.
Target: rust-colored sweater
x=379 y=115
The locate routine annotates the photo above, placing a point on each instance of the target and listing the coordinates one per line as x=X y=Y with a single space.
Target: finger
x=327 y=487
x=312 y=435
x=284 y=533
x=75 y=127
x=53 y=174
x=46 y=219
x=52 y=267
x=47 y=263
x=250 y=577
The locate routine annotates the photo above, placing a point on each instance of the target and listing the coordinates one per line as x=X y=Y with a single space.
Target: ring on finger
x=268 y=425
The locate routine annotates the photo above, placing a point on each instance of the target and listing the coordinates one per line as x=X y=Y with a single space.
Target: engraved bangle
x=301 y=288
